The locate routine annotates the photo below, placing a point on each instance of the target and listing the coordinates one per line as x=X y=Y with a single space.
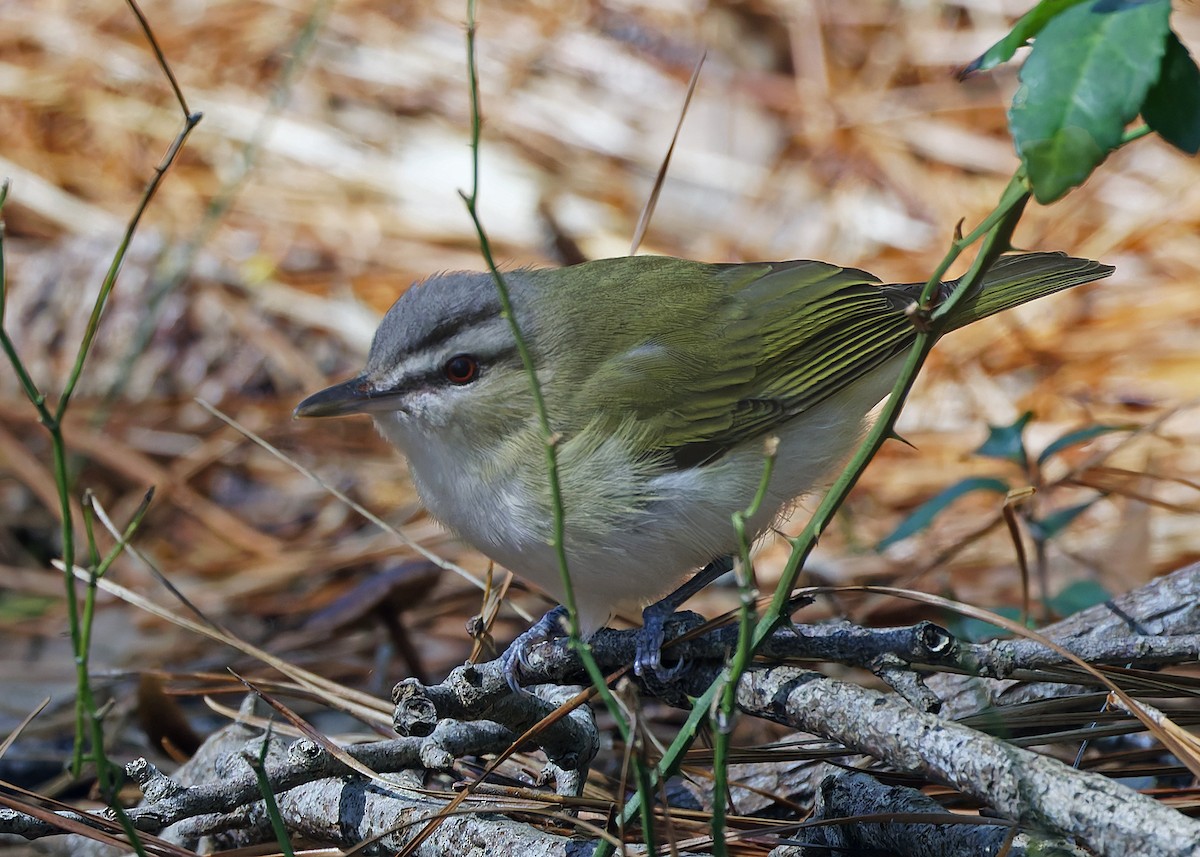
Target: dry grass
x=826 y=130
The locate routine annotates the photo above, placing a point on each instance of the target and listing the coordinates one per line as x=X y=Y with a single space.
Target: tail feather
x=1014 y=280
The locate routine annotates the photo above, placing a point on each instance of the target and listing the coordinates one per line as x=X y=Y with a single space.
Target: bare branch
x=1032 y=789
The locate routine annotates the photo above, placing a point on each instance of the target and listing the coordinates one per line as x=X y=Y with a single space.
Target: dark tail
x=1014 y=280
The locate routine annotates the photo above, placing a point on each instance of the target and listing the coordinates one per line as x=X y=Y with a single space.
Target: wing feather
x=772 y=339
x=720 y=354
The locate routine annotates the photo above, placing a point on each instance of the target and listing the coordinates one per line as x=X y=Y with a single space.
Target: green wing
x=720 y=354
x=730 y=351
x=808 y=330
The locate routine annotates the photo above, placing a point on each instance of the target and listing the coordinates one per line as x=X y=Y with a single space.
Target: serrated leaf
x=1007 y=442
x=1027 y=26
x=1086 y=78
x=1054 y=523
x=1074 y=438
x=927 y=511
x=1172 y=106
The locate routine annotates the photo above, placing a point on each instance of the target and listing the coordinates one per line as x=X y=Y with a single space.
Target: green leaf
x=1074 y=438
x=1172 y=107
x=1027 y=26
x=927 y=511
x=1078 y=596
x=1054 y=523
x=1007 y=442
x=1086 y=78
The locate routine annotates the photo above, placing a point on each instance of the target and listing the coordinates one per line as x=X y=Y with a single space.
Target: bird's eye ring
x=461 y=369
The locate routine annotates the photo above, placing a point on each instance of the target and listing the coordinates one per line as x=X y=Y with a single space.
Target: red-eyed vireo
x=662 y=378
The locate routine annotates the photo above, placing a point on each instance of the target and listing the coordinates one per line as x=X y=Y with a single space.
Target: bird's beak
x=348 y=397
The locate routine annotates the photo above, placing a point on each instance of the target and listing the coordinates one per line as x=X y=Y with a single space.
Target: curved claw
x=647 y=662
x=515 y=659
x=648 y=659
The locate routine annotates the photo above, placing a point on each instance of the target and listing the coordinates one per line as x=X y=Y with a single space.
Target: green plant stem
x=10 y=351
x=114 y=268
x=62 y=478
x=668 y=765
x=89 y=720
x=1135 y=134
x=550 y=446
x=996 y=232
x=726 y=710
x=99 y=566
x=642 y=775
x=258 y=764
x=181 y=263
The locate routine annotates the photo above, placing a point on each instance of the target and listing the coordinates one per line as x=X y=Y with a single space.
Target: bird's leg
x=648 y=659
x=515 y=658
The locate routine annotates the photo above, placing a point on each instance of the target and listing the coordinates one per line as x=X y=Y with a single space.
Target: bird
x=662 y=379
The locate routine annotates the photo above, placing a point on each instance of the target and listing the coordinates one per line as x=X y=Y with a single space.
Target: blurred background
x=324 y=180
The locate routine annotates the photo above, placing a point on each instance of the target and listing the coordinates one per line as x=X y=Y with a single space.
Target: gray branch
x=854 y=797
x=1156 y=624
x=480 y=691
x=474 y=712
x=1163 y=616
x=1035 y=790
x=473 y=692
x=319 y=797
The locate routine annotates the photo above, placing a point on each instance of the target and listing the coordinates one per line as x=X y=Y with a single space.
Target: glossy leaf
x=927 y=511
x=1027 y=26
x=1087 y=77
x=1074 y=438
x=1172 y=107
x=1007 y=442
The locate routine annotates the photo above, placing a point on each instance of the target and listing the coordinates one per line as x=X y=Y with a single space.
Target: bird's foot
x=647 y=662
x=515 y=659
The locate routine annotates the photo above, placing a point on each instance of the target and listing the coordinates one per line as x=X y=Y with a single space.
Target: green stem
x=726 y=711
x=1135 y=134
x=550 y=438
x=89 y=723
x=88 y=715
x=10 y=350
x=110 y=278
x=550 y=445
x=996 y=230
x=258 y=764
x=182 y=262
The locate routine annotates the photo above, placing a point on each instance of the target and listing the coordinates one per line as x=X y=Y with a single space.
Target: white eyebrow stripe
x=486 y=341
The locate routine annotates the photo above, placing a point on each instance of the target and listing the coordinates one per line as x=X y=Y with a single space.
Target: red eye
x=461 y=369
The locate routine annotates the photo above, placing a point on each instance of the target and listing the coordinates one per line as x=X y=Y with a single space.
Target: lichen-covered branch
x=1035 y=790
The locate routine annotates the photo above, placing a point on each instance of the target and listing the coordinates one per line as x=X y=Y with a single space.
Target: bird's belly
x=621 y=561
x=622 y=554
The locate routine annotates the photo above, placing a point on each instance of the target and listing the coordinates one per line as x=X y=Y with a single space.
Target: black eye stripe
x=448 y=328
